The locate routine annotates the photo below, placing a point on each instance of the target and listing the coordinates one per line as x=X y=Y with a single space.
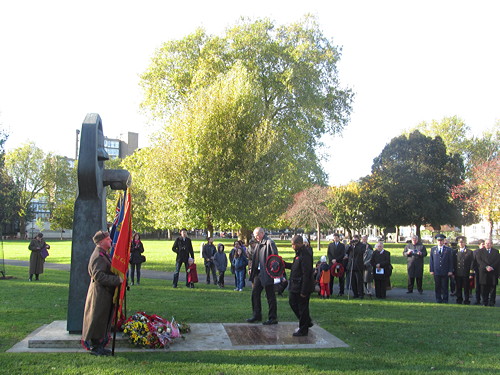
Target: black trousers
x=341 y=284
x=178 y=265
x=380 y=288
x=411 y=283
x=300 y=306
x=133 y=268
x=462 y=282
x=441 y=288
x=488 y=294
x=256 y=299
x=210 y=266
x=357 y=283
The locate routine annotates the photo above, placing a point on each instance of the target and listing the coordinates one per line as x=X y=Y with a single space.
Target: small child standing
x=324 y=278
x=192 y=274
x=240 y=262
x=220 y=260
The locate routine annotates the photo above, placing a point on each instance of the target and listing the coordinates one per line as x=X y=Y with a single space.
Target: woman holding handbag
x=136 y=257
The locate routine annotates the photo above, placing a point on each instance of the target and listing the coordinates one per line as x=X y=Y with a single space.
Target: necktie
x=440 y=250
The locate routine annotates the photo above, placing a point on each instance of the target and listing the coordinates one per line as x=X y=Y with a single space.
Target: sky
x=406 y=61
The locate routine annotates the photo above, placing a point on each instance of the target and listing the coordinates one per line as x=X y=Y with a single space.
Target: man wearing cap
x=184 y=250
x=301 y=284
x=441 y=267
x=488 y=264
x=99 y=303
x=261 y=279
x=415 y=252
x=336 y=254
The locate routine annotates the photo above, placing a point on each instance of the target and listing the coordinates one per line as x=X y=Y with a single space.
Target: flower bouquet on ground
x=152 y=331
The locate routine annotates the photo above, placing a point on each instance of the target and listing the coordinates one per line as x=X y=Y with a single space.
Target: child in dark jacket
x=240 y=262
x=220 y=260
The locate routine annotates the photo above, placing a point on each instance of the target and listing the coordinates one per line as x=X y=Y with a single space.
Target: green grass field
x=384 y=337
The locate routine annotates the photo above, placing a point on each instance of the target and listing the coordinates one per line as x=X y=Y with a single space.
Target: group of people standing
x=360 y=265
x=460 y=267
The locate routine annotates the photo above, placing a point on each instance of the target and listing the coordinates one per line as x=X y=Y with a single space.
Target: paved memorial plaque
x=266 y=335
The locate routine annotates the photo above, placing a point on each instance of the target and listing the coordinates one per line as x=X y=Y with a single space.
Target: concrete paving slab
x=53 y=338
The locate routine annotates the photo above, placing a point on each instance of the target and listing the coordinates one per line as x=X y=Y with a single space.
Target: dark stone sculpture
x=90 y=212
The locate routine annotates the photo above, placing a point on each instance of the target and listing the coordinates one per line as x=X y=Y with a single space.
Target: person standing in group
x=240 y=264
x=261 y=279
x=99 y=303
x=476 y=273
x=454 y=257
x=192 y=273
x=355 y=266
x=220 y=261
x=382 y=269
x=37 y=260
x=336 y=254
x=368 y=269
x=323 y=277
x=415 y=252
x=301 y=284
x=488 y=261
x=441 y=267
x=136 y=258
x=465 y=258
x=184 y=250
x=208 y=254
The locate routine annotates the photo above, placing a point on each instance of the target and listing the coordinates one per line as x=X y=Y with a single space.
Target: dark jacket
x=384 y=259
x=484 y=259
x=263 y=250
x=136 y=249
x=301 y=276
x=442 y=263
x=415 y=262
x=220 y=260
x=464 y=263
x=336 y=252
x=183 y=249
x=240 y=263
x=208 y=253
x=355 y=254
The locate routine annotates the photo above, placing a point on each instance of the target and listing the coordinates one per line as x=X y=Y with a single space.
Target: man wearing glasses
x=441 y=267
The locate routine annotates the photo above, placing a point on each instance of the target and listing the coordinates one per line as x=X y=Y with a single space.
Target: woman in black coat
x=136 y=257
x=382 y=269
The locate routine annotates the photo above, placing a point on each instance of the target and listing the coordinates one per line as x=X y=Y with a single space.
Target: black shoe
x=175 y=286
x=310 y=324
x=409 y=292
x=300 y=333
x=420 y=291
x=270 y=322
x=253 y=319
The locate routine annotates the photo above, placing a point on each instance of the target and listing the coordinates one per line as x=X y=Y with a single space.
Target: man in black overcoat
x=355 y=266
x=184 y=250
x=261 y=279
x=488 y=260
x=415 y=253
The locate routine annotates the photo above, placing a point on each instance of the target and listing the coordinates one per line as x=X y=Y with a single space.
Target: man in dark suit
x=355 y=266
x=441 y=267
x=261 y=279
x=336 y=254
x=184 y=250
x=488 y=260
x=465 y=257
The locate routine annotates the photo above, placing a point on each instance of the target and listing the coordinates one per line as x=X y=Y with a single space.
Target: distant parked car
x=330 y=237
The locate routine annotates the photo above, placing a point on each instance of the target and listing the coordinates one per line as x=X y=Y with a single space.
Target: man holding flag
x=107 y=274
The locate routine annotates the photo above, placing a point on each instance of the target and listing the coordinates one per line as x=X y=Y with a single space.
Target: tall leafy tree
x=26 y=166
x=346 y=205
x=9 y=194
x=309 y=210
x=242 y=117
x=411 y=183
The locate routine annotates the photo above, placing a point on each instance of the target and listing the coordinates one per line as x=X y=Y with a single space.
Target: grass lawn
x=383 y=336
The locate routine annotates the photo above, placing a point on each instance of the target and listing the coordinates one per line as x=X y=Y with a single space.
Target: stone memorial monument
x=90 y=212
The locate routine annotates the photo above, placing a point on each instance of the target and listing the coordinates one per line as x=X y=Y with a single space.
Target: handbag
x=143 y=258
x=44 y=252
